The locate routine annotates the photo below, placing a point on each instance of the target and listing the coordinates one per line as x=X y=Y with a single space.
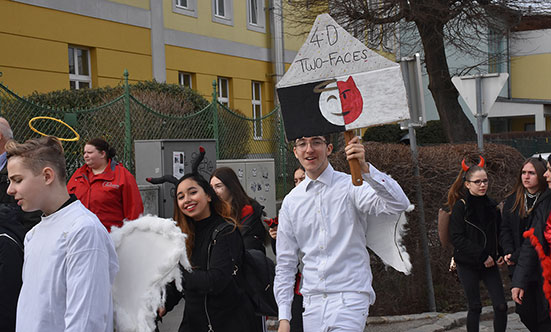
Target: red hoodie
x=112 y=195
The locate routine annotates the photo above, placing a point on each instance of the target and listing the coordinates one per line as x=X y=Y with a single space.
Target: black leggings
x=470 y=279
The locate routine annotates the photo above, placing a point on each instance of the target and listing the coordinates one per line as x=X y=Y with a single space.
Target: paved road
x=427 y=322
x=513 y=325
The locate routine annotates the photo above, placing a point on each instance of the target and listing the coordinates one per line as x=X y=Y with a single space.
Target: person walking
x=70 y=260
x=105 y=187
x=474 y=224
x=214 y=301
x=534 y=260
x=324 y=219
x=14 y=223
x=247 y=211
x=530 y=189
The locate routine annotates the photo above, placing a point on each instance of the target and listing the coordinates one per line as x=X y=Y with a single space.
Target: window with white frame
x=224 y=91
x=257 y=109
x=79 y=68
x=186 y=7
x=222 y=11
x=185 y=79
x=256 y=17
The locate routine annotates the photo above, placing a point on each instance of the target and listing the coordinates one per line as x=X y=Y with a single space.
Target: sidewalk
x=434 y=322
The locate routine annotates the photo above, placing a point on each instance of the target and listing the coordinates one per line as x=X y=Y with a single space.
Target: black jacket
x=511 y=230
x=213 y=293
x=528 y=265
x=474 y=230
x=252 y=228
x=27 y=219
x=11 y=264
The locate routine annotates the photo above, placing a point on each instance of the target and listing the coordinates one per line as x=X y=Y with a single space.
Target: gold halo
x=74 y=139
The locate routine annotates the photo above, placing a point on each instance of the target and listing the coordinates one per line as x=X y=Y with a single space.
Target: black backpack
x=256 y=277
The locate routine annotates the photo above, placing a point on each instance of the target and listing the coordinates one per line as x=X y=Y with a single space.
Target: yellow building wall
x=207 y=66
x=203 y=24
x=34 y=53
x=531 y=76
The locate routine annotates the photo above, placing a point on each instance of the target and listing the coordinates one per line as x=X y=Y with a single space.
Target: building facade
x=52 y=45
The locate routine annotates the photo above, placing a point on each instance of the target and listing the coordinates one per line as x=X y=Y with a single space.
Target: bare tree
x=433 y=27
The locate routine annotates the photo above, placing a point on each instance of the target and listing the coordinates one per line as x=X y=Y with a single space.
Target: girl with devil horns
x=214 y=301
x=474 y=223
x=519 y=208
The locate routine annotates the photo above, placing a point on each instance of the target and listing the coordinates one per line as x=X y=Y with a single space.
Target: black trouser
x=296 y=313
x=530 y=311
x=470 y=279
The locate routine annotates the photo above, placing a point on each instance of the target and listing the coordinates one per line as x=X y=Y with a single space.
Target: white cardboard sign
x=336 y=83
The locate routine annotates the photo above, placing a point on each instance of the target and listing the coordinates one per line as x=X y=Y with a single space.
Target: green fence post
x=127 y=128
x=282 y=150
x=215 y=117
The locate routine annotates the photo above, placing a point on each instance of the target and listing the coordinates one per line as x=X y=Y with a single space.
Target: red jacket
x=112 y=195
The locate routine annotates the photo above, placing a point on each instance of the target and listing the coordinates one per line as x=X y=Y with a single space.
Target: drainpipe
x=278 y=52
x=157 y=40
x=276 y=23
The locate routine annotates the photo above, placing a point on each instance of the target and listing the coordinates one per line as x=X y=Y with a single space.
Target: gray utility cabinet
x=257 y=176
x=155 y=158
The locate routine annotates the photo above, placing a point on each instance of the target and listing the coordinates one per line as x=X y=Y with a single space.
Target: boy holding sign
x=323 y=218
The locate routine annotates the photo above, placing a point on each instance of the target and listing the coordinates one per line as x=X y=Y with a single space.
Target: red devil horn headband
x=466 y=168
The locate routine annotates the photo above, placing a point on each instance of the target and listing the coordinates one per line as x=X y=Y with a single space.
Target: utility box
x=257 y=176
x=156 y=158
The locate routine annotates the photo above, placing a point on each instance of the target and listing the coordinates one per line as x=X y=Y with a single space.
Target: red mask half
x=351 y=100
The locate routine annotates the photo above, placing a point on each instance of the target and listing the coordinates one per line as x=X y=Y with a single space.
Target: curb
x=444 y=322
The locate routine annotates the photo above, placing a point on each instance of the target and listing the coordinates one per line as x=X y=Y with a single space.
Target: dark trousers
x=530 y=312
x=296 y=312
x=470 y=279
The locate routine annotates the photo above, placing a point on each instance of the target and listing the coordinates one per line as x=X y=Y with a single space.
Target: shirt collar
x=326 y=177
x=3 y=159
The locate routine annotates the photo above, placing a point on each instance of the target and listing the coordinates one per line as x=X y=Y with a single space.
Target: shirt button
x=324 y=296
x=321 y=247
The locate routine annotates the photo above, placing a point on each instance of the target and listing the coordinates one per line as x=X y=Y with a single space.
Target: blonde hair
x=39 y=153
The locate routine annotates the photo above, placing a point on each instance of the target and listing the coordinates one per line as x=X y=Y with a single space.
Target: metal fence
x=126 y=118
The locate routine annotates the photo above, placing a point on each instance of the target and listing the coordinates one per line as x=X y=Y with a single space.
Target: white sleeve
x=382 y=195
x=88 y=299
x=286 y=267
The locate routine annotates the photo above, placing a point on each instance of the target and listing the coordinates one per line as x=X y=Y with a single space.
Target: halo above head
x=466 y=168
x=74 y=139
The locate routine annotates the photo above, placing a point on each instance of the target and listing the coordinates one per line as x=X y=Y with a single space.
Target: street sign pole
x=480 y=115
x=411 y=71
x=480 y=93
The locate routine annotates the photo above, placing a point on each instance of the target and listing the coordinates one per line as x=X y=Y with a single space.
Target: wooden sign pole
x=355 y=169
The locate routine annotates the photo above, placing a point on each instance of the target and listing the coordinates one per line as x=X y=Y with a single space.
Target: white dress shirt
x=69 y=268
x=324 y=220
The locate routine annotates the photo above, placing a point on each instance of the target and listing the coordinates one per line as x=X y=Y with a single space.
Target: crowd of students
x=68 y=260
x=517 y=234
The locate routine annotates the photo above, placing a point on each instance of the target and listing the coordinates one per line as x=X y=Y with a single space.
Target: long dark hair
x=239 y=197
x=217 y=206
x=518 y=189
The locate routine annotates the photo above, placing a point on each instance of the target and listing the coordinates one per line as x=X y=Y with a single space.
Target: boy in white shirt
x=70 y=261
x=324 y=219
